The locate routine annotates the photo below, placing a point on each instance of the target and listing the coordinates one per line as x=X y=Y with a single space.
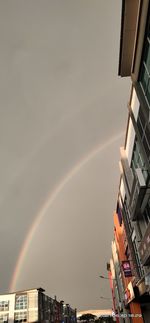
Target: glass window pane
x=21 y=302
x=146 y=146
x=20 y=317
x=144 y=78
x=140 y=128
x=147 y=55
x=4 y=318
x=4 y=305
x=148 y=93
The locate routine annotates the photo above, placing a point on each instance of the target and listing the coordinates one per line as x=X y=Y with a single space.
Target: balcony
x=144 y=248
x=137 y=195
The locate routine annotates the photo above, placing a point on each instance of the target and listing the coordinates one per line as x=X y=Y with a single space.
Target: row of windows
x=144 y=82
x=138 y=160
x=144 y=77
x=135 y=264
x=147 y=212
x=127 y=217
x=20 y=317
x=143 y=128
x=139 y=265
x=143 y=122
x=20 y=304
x=145 y=219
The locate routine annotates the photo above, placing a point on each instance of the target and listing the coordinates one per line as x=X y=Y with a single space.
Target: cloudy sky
x=62 y=117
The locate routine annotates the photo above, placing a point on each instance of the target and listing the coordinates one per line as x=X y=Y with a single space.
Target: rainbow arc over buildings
x=51 y=198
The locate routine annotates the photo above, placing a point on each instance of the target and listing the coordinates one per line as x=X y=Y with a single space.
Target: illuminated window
x=21 y=302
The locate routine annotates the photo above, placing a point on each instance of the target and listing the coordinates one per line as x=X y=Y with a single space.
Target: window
x=146 y=214
x=20 y=317
x=145 y=81
x=4 y=305
x=144 y=76
x=138 y=160
x=21 y=302
x=139 y=265
x=119 y=214
x=143 y=127
x=139 y=223
x=4 y=318
x=129 y=225
x=144 y=221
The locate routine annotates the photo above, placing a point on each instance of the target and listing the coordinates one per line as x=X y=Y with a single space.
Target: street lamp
x=101 y=276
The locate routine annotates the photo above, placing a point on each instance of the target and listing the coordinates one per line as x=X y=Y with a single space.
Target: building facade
x=132 y=215
x=34 y=306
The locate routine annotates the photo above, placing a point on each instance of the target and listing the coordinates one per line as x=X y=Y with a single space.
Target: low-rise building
x=33 y=305
x=132 y=214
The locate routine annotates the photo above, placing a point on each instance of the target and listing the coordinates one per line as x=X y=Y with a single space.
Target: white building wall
x=130 y=141
x=135 y=104
x=131 y=132
x=33 y=306
x=11 y=299
x=122 y=190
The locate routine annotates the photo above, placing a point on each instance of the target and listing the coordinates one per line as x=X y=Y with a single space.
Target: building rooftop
x=25 y=290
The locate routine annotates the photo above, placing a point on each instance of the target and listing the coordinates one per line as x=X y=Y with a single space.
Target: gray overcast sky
x=60 y=98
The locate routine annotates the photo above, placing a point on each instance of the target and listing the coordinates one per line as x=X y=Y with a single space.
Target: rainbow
x=50 y=199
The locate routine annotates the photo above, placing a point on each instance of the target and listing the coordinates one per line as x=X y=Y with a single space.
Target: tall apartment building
x=34 y=306
x=129 y=269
